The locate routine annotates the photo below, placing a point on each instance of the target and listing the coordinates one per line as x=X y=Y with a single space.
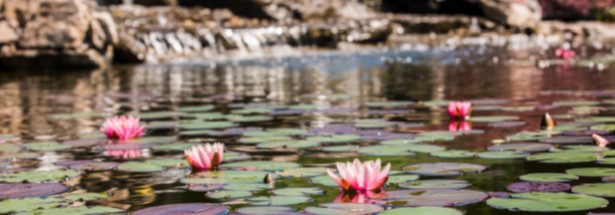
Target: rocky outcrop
x=515 y=13
x=58 y=32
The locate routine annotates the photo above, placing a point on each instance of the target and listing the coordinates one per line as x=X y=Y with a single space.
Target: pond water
x=370 y=104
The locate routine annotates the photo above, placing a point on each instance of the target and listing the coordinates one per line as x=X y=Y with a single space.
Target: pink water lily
x=600 y=141
x=459 y=110
x=360 y=177
x=205 y=157
x=122 y=127
x=564 y=54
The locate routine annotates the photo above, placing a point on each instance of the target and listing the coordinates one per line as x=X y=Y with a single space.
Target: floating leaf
x=435 y=184
x=603 y=190
x=453 y=154
x=386 y=150
x=562 y=140
x=202 y=108
x=226 y=177
x=547 y=187
x=399 y=142
x=592 y=171
x=260 y=165
x=229 y=194
x=444 y=197
x=204 y=187
x=21 y=190
x=77 y=210
x=396 y=179
x=549 y=177
x=422 y=211
x=134 y=166
x=373 y=123
x=247 y=186
x=344 y=208
x=298 y=191
x=159 y=115
x=522 y=147
x=46 y=146
x=187 y=208
x=576 y=103
x=564 y=157
x=502 y=155
x=289 y=144
x=278 y=200
x=323 y=180
x=389 y=104
x=254 y=140
x=339 y=138
x=443 y=169
x=346 y=148
x=265 y=210
x=180 y=147
x=303 y=172
x=94 y=166
x=548 y=202
x=242 y=118
x=199 y=125
x=209 y=116
x=39 y=176
x=493 y=118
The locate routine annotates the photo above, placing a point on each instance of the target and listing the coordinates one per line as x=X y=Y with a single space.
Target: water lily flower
x=459 y=110
x=547 y=121
x=360 y=177
x=600 y=141
x=564 y=54
x=205 y=157
x=122 y=127
x=459 y=126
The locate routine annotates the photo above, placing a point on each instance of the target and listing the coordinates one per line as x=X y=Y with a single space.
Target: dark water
x=328 y=79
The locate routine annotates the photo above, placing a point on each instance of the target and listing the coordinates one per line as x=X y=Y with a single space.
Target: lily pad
x=386 y=150
x=180 y=147
x=389 y=104
x=255 y=140
x=209 y=116
x=244 y=119
x=443 y=169
x=444 y=197
x=546 y=187
x=46 y=146
x=289 y=144
x=187 y=208
x=134 y=166
x=202 y=108
x=453 y=154
x=548 y=202
x=522 y=147
x=323 y=180
x=298 y=191
x=422 y=211
x=95 y=166
x=338 y=138
x=278 y=200
x=564 y=157
x=229 y=194
x=592 y=171
x=204 y=187
x=159 y=115
x=344 y=209
x=435 y=184
x=507 y=124
x=549 y=177
x=346 y=148
x=39 y=176
x=602 y=190
x=260 y=165
x=247 y=186
x=199 y=125
x=373 y=123
x=562 y=140
x=265 y=210
x=303 y=172
x=226 y=177
x=397 y=179
x=22 y=190
x=400 y=142
x=502 y=155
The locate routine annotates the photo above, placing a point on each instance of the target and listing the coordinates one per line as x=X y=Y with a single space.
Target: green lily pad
x=338 y=138
x=226 y=177
x=443 y=169
x=423 y=148
x=77 y=115
x=20 y=156
x=584 y=148
x=303 y=172
x=46 y=146
x=159 y=115
x=246 y=187
x=229 y=194
x=592 y=171
x=502 y=155
x=289 y=144
x=576 y=103
x=278 y=200
x=344 y=208
x=600 y=189
x=259 y=110
x=548 y=202
x=265 y=210
x=298 y=191
x=203 y=125
x=180 y=147
x=209 y=116
x=397 y=179
x=607 y=161
x=323 y=180
x=277 y=132
x=432 y=136
x=75 y=210
x=134 y=166
x=603 y=127
x=386 y=150
x=255 y=140
x=169 y=162
x=422 y=211
x=453 y=154
x=39 y=176
x=6 y=147
x=192 y=109
x=549 y=177
x=260 y=165
x=564 y=157
x=400 y=142
x=493 y=118
x=373 y=123
x=522 y=147
x=435 y=184
x=242 y=118
x=389 y=104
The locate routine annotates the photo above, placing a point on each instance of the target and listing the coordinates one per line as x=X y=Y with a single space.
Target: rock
x=574 y=9
x=68 y=32
x=516 y=13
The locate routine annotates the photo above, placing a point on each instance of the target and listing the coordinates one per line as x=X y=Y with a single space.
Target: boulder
x=61 y=32
x=515 y=13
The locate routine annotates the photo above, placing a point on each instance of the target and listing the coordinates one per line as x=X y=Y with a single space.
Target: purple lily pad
x=67 y=163
x=545 y=187
x=15 y=170
x=181 y=209
x=335 y=111
x=509 y=124
x=95 y=166
x=333 y=129
x=22 y=190
x=204 y=187
x=563 y=140
x=443 y=198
